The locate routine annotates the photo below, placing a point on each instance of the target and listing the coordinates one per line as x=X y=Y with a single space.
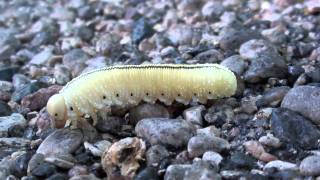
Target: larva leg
x=94 y=118
x=72 y=123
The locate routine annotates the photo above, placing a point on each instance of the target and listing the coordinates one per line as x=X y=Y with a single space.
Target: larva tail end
x=57 y=109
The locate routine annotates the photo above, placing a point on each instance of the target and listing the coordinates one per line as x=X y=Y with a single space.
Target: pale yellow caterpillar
x=129 y=84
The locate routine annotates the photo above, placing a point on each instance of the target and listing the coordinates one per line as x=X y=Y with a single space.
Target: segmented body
x=130 y=84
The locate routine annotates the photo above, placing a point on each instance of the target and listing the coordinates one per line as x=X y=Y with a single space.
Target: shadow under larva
x=129 y=84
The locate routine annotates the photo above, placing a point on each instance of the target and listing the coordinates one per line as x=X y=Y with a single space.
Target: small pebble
x=147 y=111
x=270 y=140
x=201 y=169
x=43 y=170
x=235 y=63
x=64 y=161
x=7 y=122
x=194 y=115
x=280 y=165
x=168 y=132
x=156 y=154
x=310 y=166
x=199 y=144
x=305 y=100
x=117 y=156
x=256 y=150
x=291 y=127
x=176 y=171
x=64 y=141
x=213 y=157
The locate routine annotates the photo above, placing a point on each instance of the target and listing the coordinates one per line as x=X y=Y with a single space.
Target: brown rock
x=124 y=155
x=38 y=100
x=256 y=150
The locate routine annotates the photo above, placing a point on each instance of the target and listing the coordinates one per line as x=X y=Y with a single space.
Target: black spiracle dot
x=209 y=92
x=147 y=94
x=104 y=97
x=162 y=94
x=131 y=94
x=56 y=114
x=117 y=95
x=195 y=94
x=179 y=94
x=71 y=108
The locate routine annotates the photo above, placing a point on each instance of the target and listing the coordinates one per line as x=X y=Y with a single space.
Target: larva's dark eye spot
x=179 y=94
x=71 y=108
x=104 y=97
x=195 y=94
x=131 y=94
x=56 y=114
x=117 y=95
x=209 y=92
x=147 y=94
x=162 y=94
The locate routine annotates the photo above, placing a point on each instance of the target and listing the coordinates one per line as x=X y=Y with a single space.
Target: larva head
x=57 y=109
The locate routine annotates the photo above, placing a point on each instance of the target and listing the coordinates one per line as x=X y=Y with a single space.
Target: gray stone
x=209 y=131
x=25 y=90
x=19 y=80
x=182 y=35
x=231 y=37
x=62 y=74
x=254 y=48
x=63 y=14
x=11 y=145
x=212 y=10
x=176 y=172
x=147 y=173
x=9 y=121
x=305 y=100
x=75 y=57
x=270 y=140
x=276 y=34
x=280 y=165
x=310 y=166
x=273 y=97
x=5 y=167
x=147 y=110
x=35 y=160
x=141 y=29
x=64 y=161
x=194 y=115
x=85 y=177
x=156 y=154
x=43 y=170
x=291 y=127
x=213 y=157
x=265 y=61
x=209 y=56
x=7 y=72
x=84 y=32
x=61 y=141
x=235 y=63
x=202 y=170
x=42 y=57
x=5 y=109
x=200 y=144
x=6 y=86
x=108 y=44
x=168 y=132
x=98 y=147
x=8 y=44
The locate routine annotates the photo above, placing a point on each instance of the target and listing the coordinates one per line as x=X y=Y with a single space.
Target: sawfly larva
x=129 y=84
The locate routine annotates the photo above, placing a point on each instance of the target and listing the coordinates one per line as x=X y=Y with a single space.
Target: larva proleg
x=130 y=84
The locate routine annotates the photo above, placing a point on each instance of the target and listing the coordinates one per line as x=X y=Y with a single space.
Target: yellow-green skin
x=130 y=84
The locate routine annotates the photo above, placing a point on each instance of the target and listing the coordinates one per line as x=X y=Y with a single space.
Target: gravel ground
x=268 y=130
